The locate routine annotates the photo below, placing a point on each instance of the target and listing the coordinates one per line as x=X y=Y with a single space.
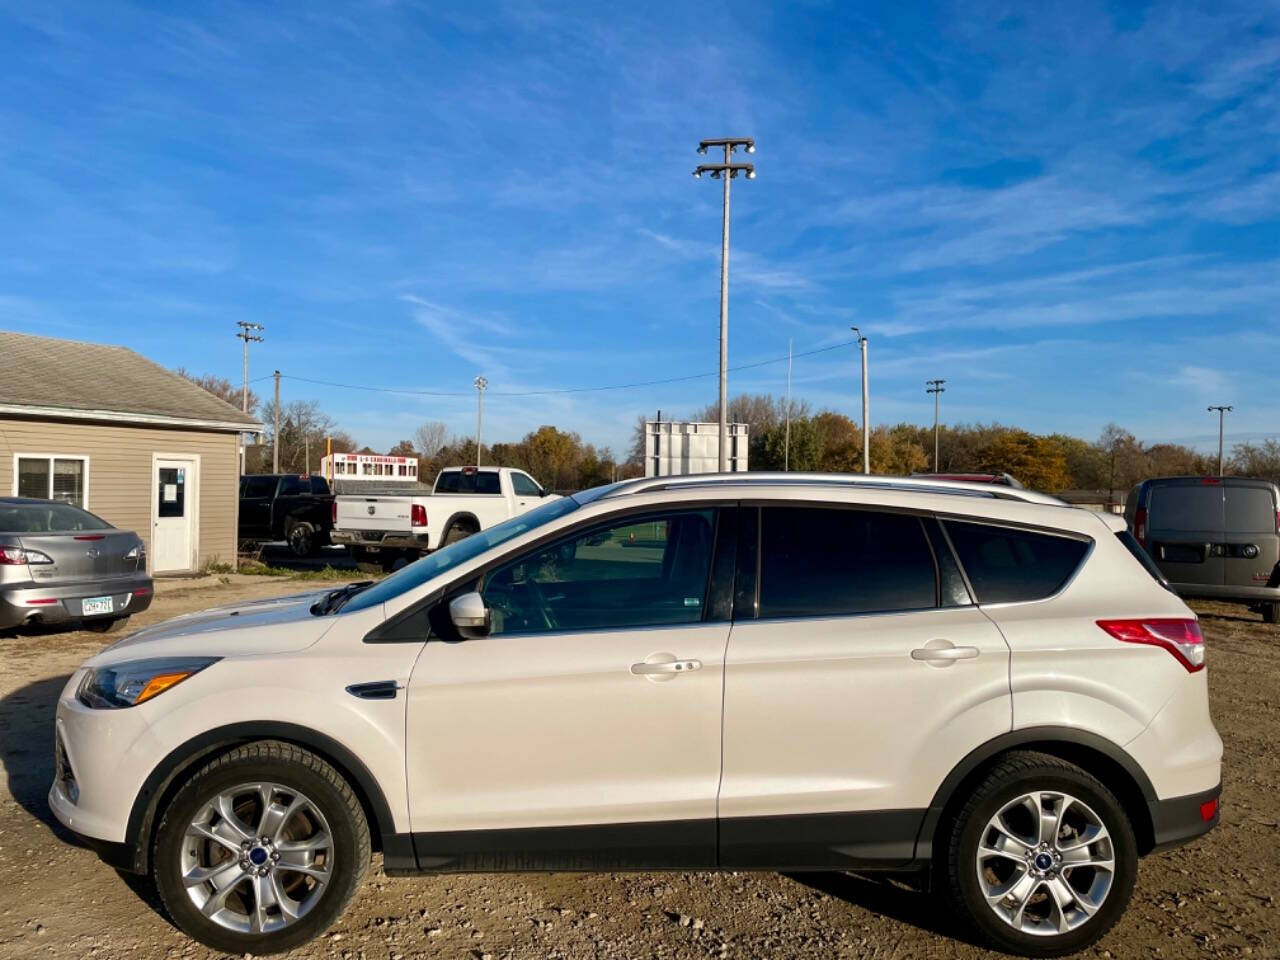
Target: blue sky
x=1069 y=211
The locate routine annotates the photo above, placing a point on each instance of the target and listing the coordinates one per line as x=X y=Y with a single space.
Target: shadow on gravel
x=891 y=899
x=26 y=746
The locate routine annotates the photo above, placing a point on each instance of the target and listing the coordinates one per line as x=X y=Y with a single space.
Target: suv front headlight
x=129 y=684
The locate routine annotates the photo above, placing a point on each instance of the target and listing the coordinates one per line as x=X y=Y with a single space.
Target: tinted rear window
x=1008 y=566
x=1250 y=510
x=485 y=481
x=821 y=562
x=1185 y=508
x=47 y=518
x=320 y=486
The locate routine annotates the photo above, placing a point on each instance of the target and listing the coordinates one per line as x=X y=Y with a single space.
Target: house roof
x=42 y=376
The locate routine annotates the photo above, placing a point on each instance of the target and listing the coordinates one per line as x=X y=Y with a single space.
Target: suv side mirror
x=469 y=615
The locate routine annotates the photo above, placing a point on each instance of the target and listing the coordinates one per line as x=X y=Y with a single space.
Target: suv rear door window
x=822 y=562
x=1250 y=510
x=1005 y=565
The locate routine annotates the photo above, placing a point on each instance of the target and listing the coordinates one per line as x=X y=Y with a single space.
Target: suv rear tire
x=1271 y=612
x=226 y=840
x=1066 y=872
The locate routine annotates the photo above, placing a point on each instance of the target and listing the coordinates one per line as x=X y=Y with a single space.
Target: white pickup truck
x=389 y=529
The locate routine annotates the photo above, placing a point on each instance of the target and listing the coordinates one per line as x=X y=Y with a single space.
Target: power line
x=565 y=390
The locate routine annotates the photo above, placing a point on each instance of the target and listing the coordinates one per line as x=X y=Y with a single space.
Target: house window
x=64 y=478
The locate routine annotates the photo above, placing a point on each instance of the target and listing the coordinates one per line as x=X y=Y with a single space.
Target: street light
x=866 y=405
x=935 y=387
x=725 y=171
x=1222 y=411
x=480 y=384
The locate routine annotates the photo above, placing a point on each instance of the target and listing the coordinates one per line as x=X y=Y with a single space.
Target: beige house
x=108 y=430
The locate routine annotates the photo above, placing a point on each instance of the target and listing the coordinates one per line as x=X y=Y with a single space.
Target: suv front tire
x=1041 y=858
x=261 y=849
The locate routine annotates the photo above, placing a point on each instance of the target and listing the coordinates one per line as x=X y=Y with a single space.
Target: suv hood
x=277 y=625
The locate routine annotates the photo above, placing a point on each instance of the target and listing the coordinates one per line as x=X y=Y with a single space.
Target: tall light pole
x=1222 y=412
x=935 y=387
x=786 y=447
x=480 y=383
x=866 y=404
x=725 y=171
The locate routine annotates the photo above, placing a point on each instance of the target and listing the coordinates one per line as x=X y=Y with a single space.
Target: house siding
x=120 y=458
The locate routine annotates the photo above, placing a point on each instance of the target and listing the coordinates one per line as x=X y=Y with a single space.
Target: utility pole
x=1222 y=412
x=786 y=449
x=481 y=383
x=935 y=387
x=247 y=335
x=725 y=171
x=275 y=430
x=866 y=405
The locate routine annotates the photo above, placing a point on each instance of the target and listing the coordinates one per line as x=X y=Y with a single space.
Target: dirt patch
x=1216 y=897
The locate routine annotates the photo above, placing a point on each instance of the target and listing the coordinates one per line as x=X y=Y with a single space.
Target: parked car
x=391 y=529
x=1213 y=537
x=297 y=509
x=986 y=688
x=63 y=565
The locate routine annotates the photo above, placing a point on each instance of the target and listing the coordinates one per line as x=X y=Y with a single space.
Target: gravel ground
x=1216 y=897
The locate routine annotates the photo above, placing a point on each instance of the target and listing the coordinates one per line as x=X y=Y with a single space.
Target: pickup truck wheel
x=302 y=539
x=456 y=532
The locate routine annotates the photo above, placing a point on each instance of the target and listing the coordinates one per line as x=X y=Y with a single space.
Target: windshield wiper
x=332 y=601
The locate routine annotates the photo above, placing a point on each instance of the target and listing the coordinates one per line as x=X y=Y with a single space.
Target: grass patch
x=257 y=568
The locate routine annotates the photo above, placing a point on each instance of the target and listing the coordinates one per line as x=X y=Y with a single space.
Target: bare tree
x=430 y=437
x=220 y=387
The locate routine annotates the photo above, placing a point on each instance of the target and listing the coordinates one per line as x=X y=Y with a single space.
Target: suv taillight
x=333 y=512
x=1180 y=637
x=1140 y=526
x=417 y=515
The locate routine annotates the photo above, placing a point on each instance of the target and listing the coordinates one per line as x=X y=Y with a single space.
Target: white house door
x=173 y=524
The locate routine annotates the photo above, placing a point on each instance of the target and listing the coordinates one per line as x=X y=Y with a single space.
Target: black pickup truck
x=288 y=507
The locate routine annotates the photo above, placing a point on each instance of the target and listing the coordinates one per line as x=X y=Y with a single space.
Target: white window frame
x=83 y=458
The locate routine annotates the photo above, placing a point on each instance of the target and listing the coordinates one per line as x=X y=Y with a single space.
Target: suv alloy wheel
x=260 y=850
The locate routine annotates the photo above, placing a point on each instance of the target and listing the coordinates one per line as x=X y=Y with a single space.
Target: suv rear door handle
x=946 y=654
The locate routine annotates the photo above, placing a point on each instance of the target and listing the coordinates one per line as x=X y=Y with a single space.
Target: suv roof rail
x=771 y=477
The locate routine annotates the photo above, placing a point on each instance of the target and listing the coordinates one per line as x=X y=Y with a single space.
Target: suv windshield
x=446 y=558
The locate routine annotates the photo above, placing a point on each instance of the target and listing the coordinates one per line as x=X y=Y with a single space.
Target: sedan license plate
x=95 y=605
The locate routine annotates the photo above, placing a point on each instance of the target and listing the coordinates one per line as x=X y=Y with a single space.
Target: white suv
x=772 y=672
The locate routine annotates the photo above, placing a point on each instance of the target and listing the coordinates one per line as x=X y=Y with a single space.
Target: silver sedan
x=60 y=564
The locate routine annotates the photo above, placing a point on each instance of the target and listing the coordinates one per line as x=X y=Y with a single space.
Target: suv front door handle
x=647 y=668
x=946 y=654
